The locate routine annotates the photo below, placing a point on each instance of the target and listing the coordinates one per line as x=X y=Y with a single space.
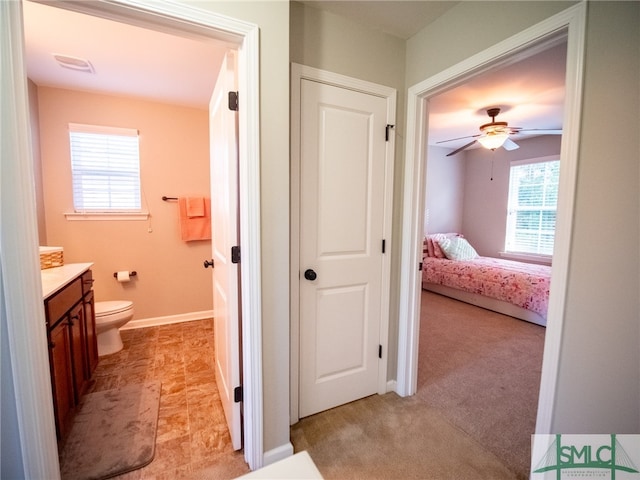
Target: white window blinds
x=533 y=198
x=105 y=168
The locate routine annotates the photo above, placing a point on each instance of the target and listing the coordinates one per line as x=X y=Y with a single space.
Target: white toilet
x=110 y=316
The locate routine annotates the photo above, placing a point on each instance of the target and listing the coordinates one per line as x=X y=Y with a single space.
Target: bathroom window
x=105 y=169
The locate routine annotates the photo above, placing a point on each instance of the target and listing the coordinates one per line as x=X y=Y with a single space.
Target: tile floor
x=192 y=433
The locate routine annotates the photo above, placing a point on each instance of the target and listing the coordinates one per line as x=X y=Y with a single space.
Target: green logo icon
x=583 y=456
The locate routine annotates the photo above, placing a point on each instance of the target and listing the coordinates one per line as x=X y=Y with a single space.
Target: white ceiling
x=400 y=18
x=133 y=61
x=530 y=94
x=128 y=60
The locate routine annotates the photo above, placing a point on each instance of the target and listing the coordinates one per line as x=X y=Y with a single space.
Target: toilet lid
x=112 y=306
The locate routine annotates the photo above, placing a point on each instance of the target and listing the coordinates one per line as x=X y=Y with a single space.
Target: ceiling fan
x=496 y=134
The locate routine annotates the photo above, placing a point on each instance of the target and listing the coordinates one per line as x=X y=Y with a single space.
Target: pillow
x=436 y=238
x=437 y=251
x=458 y=248
x=430 y=248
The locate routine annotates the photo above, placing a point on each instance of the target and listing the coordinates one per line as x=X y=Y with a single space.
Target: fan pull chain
x=492 y=168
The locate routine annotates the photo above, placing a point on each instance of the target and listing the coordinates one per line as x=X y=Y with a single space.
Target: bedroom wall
x=323 y=40
x=444 y=191
x=174 y=161
x=598 y=388
x=485 y=200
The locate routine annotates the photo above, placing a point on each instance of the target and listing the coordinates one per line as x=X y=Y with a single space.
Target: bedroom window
x=533 y=198
x=105 y=169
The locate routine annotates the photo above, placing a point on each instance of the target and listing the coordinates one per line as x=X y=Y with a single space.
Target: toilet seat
x=112 y=307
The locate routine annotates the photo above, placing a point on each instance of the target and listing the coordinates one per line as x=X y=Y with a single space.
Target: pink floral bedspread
x=523 y=284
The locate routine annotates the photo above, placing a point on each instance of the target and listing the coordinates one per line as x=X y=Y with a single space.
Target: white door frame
x=572 y=21
x=299 y=73
x=31 y=375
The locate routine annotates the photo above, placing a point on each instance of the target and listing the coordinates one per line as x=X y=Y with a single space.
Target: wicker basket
x=51 y=257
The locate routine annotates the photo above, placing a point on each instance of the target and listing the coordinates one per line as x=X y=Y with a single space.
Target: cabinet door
x=78 y=350
x=90 y=329
x=61 y=376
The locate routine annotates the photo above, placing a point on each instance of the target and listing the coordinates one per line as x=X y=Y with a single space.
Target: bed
x=451 y=267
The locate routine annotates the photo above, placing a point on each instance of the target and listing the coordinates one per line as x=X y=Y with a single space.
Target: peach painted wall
x=174 y=161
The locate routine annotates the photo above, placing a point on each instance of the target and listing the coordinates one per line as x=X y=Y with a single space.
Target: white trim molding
x=31 y=374
x=27 y=401
x=167 y=319
x=278 y=453
x=569 y=25
x=108 y=216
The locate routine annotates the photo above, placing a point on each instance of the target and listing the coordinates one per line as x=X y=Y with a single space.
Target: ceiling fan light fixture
x=493 y=140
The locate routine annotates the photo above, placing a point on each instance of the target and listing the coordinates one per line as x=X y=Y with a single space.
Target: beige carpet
x=481 y=370
x=113 y=432
x=389 y=437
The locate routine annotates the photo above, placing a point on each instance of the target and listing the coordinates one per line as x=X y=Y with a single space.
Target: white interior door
x=342 y=195
x=224 y=235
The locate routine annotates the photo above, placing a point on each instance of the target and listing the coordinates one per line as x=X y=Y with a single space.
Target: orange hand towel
x=195 y=228
x=195 y=207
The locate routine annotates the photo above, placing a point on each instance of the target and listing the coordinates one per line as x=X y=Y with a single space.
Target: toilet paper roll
x=123 y=277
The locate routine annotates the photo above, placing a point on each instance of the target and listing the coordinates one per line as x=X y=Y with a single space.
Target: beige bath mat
x=113 y=432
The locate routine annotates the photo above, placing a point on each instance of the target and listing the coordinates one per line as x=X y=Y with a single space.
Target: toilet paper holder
x=131 y=274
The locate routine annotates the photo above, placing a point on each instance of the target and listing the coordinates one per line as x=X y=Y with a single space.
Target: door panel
x=224 y=235
x=343 y=311
x=342 y=208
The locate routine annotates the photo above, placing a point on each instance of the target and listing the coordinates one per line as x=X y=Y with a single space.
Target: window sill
x=74 y=216
x=527 y=257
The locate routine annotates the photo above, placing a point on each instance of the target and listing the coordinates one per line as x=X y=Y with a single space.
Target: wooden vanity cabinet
x=77 y=325
x=61 y=377
x=73 y=349
x=90 y=322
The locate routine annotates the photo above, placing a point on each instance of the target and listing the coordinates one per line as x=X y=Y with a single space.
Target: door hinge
x=379 y=351
x=235 y=254
x=237 y=394
x=233 y=101
x=420 y=267
x=384 y=245
x=386 y=132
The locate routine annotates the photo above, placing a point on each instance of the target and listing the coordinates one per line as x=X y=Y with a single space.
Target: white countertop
x=53 y=279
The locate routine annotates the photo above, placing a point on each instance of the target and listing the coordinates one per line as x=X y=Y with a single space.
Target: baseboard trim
x=169 y=319
x=276 y=454
x=392 y=386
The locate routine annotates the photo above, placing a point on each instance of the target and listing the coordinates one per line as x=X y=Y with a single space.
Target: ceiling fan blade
x=510 y=144
x=539 y=131
x=461 y=148
x=460 y=138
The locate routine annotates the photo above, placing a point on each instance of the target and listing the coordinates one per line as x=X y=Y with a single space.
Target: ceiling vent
x=74 y=63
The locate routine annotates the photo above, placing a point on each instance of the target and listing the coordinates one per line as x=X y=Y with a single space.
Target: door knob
x=309 y=274
x=208 y=263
